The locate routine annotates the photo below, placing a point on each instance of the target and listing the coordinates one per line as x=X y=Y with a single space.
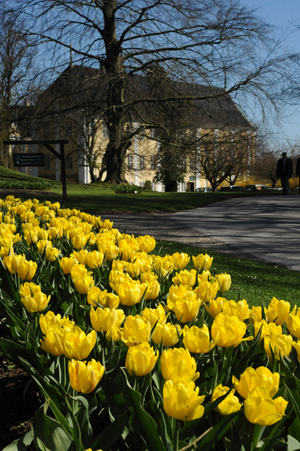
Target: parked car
x=231 y=188
x=256 y=187
x=204 y=190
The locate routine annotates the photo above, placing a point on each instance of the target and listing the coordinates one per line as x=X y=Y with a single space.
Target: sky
x=284 y=15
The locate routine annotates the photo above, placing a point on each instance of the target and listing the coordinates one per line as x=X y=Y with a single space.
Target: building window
x=192 y=164
x=69 y=162
x=130 y=161
x=153 y=163
x=47 y=162
x=142 y=163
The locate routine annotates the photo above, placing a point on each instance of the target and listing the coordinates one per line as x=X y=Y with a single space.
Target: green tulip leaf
x=48 y=433
x=21 y=444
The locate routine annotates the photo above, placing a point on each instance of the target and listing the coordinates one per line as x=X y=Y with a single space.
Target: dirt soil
x=19 y=400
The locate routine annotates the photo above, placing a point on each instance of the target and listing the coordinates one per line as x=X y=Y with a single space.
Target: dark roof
x=203 y=106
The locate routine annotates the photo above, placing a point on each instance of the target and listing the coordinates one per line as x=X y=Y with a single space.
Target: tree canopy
x=202 y=42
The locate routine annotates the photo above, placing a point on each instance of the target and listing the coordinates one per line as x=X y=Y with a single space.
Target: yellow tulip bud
x=260 y=377
x=230 y=404
x=181 y=400
x=84 y=377
x=140 y=359
x=224 y=281
x=263 y=410
x=178 y=364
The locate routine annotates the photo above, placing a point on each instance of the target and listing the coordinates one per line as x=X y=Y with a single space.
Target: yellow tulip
x=53 y=341
x=296 y=345
x=230 y=404
x=78 y=345
x=280 y=344
x=146 y=243
x=187 y=309
x=80 y=256
x=32 y=297
x=260 y=377
x=103 y=319
x=185 y=277
x=239 y=309
x=263 y=410
x=230 y=329
x=181 y=400
x=136 y=330
x=266 y=329
x=255 y=314
x=206 y=291
x=166 y=334
x=51 y=254
x=82 y=279
x=79 y=239
x=84 y=377
x=202 y=262
x=293 y=324
x=130 y=292
x=102 y=297
x=178 y=364
x=26 y=269
x=66 y=264
x=163 y=265
x=277 y=311
x=151 y=283
x=94 y=259
x=224 y=281
x=181 y=260
x=214 y=307
x=197 y=339
x=140 y=359
x=154 y=315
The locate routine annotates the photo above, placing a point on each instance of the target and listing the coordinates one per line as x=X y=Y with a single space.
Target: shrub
x=126 y=188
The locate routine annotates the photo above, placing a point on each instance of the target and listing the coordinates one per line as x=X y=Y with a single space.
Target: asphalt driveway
x=264 y=228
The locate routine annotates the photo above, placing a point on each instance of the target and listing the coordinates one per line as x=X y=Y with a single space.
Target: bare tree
x=200 y=41
x=16 y=64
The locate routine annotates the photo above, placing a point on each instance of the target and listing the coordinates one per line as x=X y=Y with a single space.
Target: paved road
x=263 y=228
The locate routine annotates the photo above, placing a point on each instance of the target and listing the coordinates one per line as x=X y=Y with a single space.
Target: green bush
x=126 y=188
x=148 y=185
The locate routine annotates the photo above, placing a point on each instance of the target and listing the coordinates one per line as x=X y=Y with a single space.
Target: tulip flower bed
x=131 y=350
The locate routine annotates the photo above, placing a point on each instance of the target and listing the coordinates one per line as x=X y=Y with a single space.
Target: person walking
x=284 y=172
x=298 y=171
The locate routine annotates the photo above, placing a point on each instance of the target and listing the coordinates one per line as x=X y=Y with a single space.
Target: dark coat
x=298 y=168
x=288 y=168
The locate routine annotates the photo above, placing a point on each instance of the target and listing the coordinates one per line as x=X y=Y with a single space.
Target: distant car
x=256 y=187
x=204 y=190
x=231 y=188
